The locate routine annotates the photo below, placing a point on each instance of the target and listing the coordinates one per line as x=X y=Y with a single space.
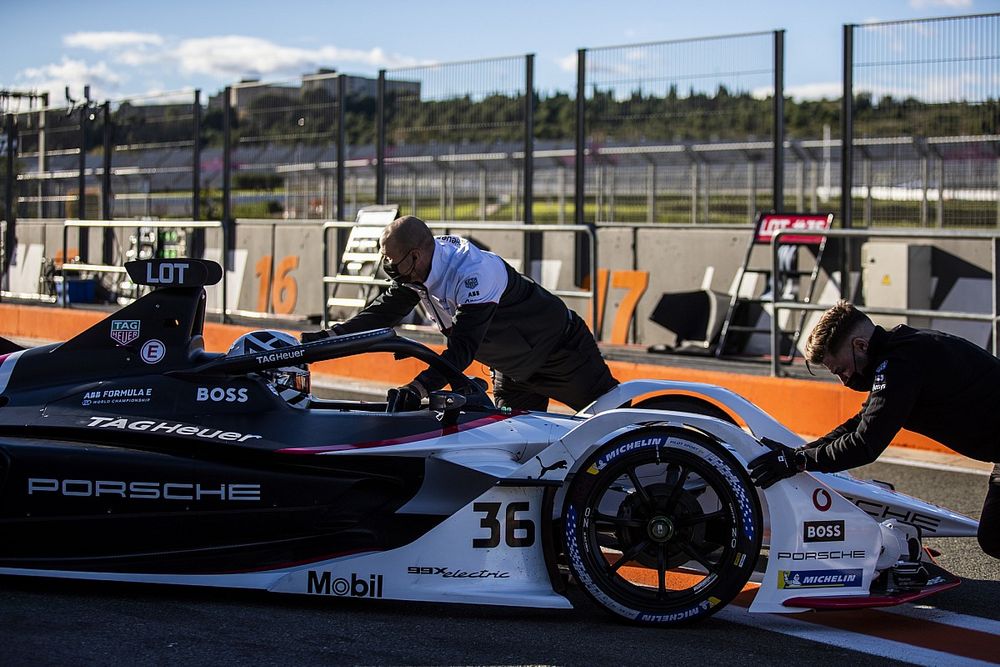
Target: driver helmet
x=289 y=382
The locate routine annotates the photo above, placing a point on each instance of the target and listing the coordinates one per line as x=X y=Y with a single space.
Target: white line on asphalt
x=842 y=639
x=929 y=613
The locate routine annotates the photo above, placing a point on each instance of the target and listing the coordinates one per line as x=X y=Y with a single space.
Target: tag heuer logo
x=124 y=332
x=471 y=283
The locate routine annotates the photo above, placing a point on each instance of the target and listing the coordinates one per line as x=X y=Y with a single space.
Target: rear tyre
x=662 y=527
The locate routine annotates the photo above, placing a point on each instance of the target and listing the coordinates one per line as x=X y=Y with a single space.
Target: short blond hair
x=833 y=328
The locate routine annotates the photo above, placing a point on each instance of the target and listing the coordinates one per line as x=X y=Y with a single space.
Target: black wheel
x=662 y=527
x=685 y=403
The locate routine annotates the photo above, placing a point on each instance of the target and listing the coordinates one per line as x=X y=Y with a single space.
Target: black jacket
x=515 y=335
x=929 y=382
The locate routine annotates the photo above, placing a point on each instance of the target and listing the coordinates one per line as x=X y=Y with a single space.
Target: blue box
x=81 y=291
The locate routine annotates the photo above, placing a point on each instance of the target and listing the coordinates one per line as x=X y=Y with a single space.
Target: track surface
x=74 y=623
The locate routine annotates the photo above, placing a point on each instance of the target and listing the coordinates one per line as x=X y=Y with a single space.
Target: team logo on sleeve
x=879 y=383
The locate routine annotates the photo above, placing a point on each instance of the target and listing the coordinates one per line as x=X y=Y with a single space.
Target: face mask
x=391 y=271
x=395 y=275
x=861 y=379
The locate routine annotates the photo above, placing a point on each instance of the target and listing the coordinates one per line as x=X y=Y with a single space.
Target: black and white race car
x=128 y=453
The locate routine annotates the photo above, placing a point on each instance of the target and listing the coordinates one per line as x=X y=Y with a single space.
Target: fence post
x=228 y=231
x=847 y=133
x=532 y=242
x=847 y=156
x=10 y=195
x=778 y=172
x=108 y=234
x=380 y=140
x=196 y=158
x=582 y=265
x=581 y=134
x=482 y=192
x=83 y=236
x=651 y=191
x=940 y=199
x=42 y=161
x=341 y=154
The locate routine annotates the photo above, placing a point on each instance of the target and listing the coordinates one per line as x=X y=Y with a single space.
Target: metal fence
x=46 y=176
x=456 y=139
x=687 y=131
x=922 y=109
x=645 y=113
x=153 y=149
x=285 y=142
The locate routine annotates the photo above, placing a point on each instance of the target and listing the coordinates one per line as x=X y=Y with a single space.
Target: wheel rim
x=658 y=529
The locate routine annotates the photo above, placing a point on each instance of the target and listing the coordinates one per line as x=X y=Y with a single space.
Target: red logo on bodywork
x=822 y=500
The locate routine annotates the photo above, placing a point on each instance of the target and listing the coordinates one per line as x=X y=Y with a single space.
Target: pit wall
x=277 y=269
x=810 y=408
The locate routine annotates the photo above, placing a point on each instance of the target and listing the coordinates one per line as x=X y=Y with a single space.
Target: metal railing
x=591 y=293
x=81 y=267
x=991 y=318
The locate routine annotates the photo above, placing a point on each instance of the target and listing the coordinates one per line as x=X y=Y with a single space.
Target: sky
x=137 y=47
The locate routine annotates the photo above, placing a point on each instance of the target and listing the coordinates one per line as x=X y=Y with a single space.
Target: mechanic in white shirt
x=535 y=346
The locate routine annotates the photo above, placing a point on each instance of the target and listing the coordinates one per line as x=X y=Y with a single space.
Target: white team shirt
x=461 y=274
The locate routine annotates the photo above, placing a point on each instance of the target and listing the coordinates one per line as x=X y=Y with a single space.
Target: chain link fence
x=687 y=131
x=680 y=131
x=284 y=148
x=454 y=139
x=924 y=122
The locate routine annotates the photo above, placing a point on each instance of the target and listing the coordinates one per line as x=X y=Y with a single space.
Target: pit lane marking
x=914 y=633
x=929 y=613
x=810 y=629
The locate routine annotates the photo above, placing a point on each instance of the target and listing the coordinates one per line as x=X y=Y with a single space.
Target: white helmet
x=289 y=382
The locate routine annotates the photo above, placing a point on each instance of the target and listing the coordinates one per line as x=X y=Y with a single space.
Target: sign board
x=769 y=223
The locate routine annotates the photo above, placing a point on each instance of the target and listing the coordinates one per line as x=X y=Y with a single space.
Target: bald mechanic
x=535 y=346
x=926 y=381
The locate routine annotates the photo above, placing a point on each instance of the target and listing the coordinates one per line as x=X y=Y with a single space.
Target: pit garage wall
x=277 y=270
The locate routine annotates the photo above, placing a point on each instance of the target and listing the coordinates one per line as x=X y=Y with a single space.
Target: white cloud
x=54 y=77
x=952 y=4
x=105 y=41
x=149 y=57
x=237 y=55
x=567 y=63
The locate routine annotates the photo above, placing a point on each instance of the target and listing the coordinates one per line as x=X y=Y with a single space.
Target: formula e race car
x=129 y=453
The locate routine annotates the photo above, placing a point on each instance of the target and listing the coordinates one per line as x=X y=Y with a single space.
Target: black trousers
x=575 y=373
x=989 y=522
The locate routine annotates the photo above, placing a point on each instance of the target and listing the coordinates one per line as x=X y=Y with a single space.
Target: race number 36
x=516 y=532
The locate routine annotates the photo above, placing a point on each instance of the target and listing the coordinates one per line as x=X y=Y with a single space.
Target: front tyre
x=662 y=527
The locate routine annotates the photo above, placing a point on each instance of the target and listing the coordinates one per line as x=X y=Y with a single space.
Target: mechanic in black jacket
x=926 y=381
x=534 y=345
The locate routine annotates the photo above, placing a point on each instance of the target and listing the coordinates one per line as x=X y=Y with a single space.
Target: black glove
x=780 y=463
x=402 y=399
x=310 y=336
x=322 y=334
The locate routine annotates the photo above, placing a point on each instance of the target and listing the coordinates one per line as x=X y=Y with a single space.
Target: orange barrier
x=807 y=407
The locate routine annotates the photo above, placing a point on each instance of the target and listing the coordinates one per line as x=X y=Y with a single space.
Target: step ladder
x=355 y=284
x=785 y=286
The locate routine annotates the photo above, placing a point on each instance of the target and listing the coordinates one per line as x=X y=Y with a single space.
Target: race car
x=129 y=453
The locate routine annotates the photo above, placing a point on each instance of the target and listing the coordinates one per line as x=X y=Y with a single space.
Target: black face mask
x=391 y=271
x=861 y=379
